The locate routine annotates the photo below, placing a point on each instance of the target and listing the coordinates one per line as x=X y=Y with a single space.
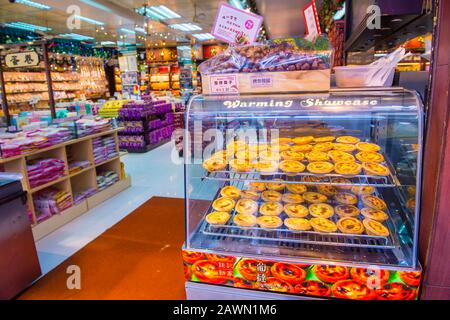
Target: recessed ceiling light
x=76 y=36
x=34 y=4
x=186 y=27
x=141 y=30
x=203 y=36
x=89 y=20
x=27 y=26
x=96 y=5
x=158 y=12
x=127 y=31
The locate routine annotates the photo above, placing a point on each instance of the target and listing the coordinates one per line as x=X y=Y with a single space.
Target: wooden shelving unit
x=81 y=149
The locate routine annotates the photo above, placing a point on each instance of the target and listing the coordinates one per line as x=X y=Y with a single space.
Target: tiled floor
x=153 y=174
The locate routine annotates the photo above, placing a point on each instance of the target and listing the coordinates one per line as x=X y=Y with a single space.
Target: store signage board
x=236 y=26
x=22 y=59
x=224 y=84
x=311 y=22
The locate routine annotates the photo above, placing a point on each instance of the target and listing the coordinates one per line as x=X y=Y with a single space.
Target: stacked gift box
x=146 y=124
x=106 y=179
x=51 y=201
x=104 y=149
x=43 y=171
x=83 y=195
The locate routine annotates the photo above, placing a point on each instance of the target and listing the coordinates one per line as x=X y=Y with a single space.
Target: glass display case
x=305 y=194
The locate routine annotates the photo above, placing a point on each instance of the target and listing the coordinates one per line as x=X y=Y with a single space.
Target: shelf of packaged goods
x=107 y=161
x=289 y=238
x=49 y=184
x=305 y=178
x=74 y=174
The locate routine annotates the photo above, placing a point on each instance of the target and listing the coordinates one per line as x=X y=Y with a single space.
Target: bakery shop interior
x=224 y=150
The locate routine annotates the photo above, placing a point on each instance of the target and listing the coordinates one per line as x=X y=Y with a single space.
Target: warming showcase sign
x=324 y=281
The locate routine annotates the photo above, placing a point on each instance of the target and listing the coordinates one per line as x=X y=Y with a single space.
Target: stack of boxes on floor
x=106 y=179
x=104 y=149
x=146 y=124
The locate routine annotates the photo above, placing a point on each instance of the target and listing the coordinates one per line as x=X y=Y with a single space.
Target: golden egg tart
x=215 y=164
x=241 y=166
x=302 y=148
x=320 y=167
x=324 y=139
x=323 y=147
x=270 y=155
x=347 y=168
x=297 y=224
x=271 y=209
x=348 y=140
x=292 y=166
x=367 y=146
x=342 y=183
x=230 y=192
x=366 y=156
x=249 y=194
x=315 y=197
x=374 y=202
x=257 y=186
x=218 y=218
x=296 y=210
x=314 y=156
x=266 y=166
x=271 y=196
x=292 y=155
x=327 y=190
x=346 y=210
x=341 y=156
x=292 y=198
x=323 y=225
x=281 y=141
x=246 y=156
x=375 y=228
x=350 y=225
x=245 y=220
x=344 y=147
x=277 y=186
x=296 y=188
x=321 y=210
x=346 y=198
x=374 y=214
x=303 y=140
x=376 y=169
x=363 y=190
x=269 y=222
x=246 y=206
x=224 y=204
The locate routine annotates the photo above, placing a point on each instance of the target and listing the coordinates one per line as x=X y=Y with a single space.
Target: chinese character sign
x=22 y=59
x=236 y=26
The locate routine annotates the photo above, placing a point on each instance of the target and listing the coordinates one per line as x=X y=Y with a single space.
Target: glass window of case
x=317 y=178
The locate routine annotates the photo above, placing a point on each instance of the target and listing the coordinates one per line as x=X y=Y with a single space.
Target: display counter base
x=57 y=221
x=201 y=291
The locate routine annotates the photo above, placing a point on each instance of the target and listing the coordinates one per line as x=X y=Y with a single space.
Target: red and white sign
x=312 y=22
x=223 y=84
x=236 y=26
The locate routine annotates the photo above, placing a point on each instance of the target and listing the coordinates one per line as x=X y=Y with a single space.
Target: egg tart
x=302 y=148
x=296 y=210
x=321 y=210
x=342 y=183
x=373 y=214
x=292 y=198
x=224 y=204
x=348 y=168
x=348 y=140
x=249 y=194
x=341 y=156
x=257 y=186
x=375 y=228
x=314 y=197
x=366 y=156
x=269 y=222
x=277 y=186
x=317 y=156
x=271 y=196
x=292 y=167
x=324 y=139
x=327 y=190
x=277 y=148
x=271 y=209
x=411 y=204
x=303 y=140
x=218 y=218
x=235 y=146
x=312 y=179
x=215 y=164
x=363 y=190
x=246 y=156
x=246 y=206
x=344 y=147
x=367 y=146
x=297 y=224
x=266 y=166
x=347 y=210
x=230 y=192
x=224 y=154
x=296 y=188
x=374 y=202
x=292 y=155
x=346 y=198
x=270 y=155
x=241 y=166
x=350 y=225
x=320 y=167
x=376 y=169
x=245 y=220
x=323 y=147
x=323 y=225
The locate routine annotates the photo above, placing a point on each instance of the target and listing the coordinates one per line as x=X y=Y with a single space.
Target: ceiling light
x=158 y=12
x=96 y=5
x=88 y=20
x=186 y=27
x=203 y=36
x=27 y=26
x=34 y=4
x=128 y=31
x=141 y=30
x=107 y=43
x=76 y=36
